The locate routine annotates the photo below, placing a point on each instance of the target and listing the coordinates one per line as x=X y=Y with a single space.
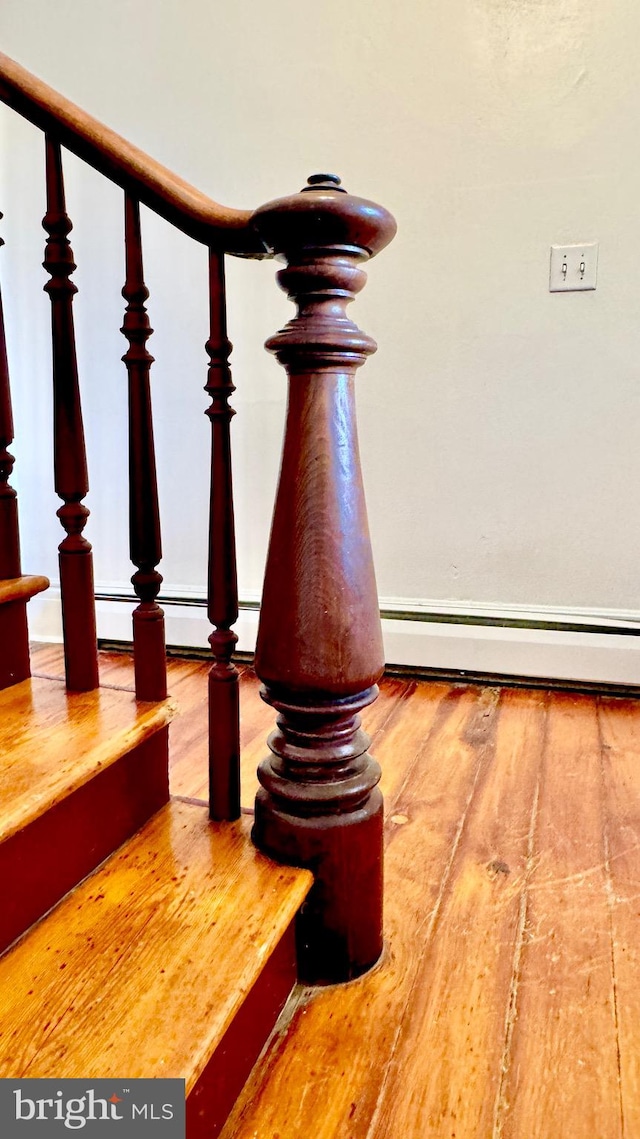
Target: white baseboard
x=417 y=638
x=560 y=655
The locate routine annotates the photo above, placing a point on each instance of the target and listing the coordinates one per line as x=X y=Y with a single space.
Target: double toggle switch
x=573 y=267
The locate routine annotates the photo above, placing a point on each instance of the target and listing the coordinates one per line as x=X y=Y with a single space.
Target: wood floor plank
x=47 y=660
x=444 y=1076
x=115 y=668
x=401 y=736
x=133 y=970
x=188 y=734
x=190 y=739
x=620 y=727
x=562 y=1077
x=323 y=1078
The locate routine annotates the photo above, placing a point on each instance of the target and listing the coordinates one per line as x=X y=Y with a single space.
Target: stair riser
x=41 y=863
x=14 y=644
x=213 y=1096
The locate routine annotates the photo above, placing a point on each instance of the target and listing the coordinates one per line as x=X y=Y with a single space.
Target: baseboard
x=571 y=644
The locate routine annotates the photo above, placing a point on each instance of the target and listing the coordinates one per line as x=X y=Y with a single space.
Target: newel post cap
x=323 y=214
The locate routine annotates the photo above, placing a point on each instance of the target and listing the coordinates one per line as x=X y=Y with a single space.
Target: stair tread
x=53 y=741
x=142 y=968
x=22 y=588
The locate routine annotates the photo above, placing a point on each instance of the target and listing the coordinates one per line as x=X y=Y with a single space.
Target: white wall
x=499 y=423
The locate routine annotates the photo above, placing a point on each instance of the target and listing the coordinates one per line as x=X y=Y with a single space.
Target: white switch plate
x=573 y=267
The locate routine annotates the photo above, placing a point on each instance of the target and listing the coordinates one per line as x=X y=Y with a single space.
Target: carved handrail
x=222 y=230
x=191 y=211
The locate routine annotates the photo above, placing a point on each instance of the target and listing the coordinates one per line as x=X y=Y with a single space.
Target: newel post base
x=319 y=650
x=330 y=825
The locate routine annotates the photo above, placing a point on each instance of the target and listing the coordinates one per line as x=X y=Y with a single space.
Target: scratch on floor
x=611 y=899
x=601 y=868
x=512 y=1004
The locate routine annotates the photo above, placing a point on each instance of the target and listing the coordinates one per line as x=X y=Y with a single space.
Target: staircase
x=173 y=959
x=143 y=935
x=81 y=772
x=136 y=936
x=131 y=964
x=15 y=592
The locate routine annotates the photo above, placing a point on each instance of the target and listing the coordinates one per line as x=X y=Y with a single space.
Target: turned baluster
x=9 y=536
x=144 y=515
x=14 y=635
x=224 y=717
x=70 y=463
x=319 y=651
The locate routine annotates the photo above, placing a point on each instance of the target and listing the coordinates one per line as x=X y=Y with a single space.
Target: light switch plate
x=573 y=267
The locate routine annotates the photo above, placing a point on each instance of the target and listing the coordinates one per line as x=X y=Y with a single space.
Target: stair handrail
x=222 y=227
x=319 y=649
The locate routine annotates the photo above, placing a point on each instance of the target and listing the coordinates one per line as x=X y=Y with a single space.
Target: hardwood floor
x=507 y=1004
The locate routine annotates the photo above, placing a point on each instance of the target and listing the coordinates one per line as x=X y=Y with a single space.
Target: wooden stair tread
x=52 y=742
x=22 y=588
x=143 y=967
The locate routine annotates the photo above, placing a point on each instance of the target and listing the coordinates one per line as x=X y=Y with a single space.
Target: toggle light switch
x=573 y=267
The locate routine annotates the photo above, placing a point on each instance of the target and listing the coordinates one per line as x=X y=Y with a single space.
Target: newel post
x=319 y=652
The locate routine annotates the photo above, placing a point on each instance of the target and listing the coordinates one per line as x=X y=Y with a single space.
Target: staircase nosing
x=291 y=884
x=149 y=717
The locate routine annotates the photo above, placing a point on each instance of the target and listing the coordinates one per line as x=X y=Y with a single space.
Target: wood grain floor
x=507 y=1004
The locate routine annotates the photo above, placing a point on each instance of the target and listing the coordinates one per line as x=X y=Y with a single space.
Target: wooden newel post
x=319 y=651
